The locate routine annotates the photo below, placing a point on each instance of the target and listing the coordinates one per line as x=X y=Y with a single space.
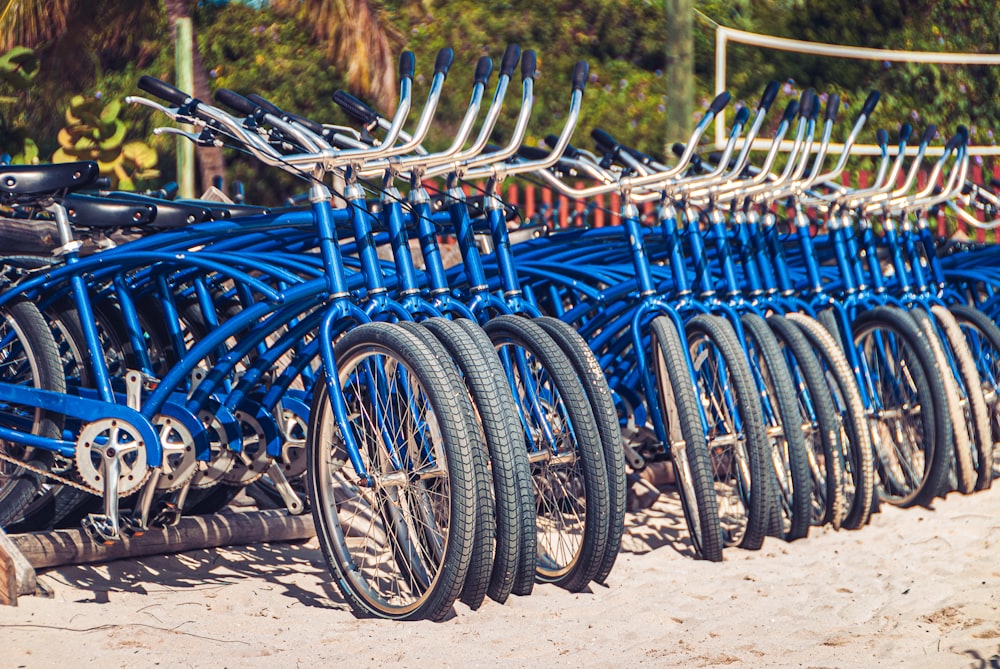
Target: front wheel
x=565 y=451
x=391 y=476
x=686 y=437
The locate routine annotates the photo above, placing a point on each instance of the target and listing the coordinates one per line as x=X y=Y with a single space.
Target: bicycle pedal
x=168 y=516
x=100 y=529
x=131 y=527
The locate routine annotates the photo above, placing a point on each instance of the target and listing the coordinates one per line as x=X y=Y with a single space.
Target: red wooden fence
x=606 y=210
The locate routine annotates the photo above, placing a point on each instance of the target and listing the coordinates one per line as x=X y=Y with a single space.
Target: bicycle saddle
x=87 y=211
x=39 y=181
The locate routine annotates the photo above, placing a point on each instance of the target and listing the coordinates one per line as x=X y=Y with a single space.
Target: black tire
x=478 y=576
x=518 y=481
x=411 y=558
x=962 y=474
x=821 y=426
x=828 y=319
x=30 y=358
x=913 y=436
x=495 y=549
x=737 y=440
x=688 y=443
x=983 y=337
x=595 y=384
x=787 y=442
x=572 y=533
x=858 y=482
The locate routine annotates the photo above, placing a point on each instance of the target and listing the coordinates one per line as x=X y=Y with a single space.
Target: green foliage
x=622 y=40
x=18 y=68
x=250 y=48
x=94 y=131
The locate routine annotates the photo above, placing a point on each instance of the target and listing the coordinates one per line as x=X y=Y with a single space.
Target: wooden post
x=680 y=70
x=185 y=81
x=17 y=577
x=68 y=547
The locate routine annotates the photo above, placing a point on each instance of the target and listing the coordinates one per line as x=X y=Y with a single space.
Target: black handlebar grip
x=569 y=152
x=407 y=63
x=742 y=114
x=307 y=123
x=532 y=153
x=905 y=131
x=605 y=142
x=720 y=101
x=580 y=73
x=811 y=110
x=832 y=107
x=770 y=92
x=235 y=101
x=806 y=101
x=444 y=60
x=678 y=149
x=791 y=109
x=870 y=102
x=355 y=108
x=929 y=133
x=529 y=65
x=163 y=90
x=957 y=139
x=509 y=61
x=882 y=137
x=265 y=104
x=484 y=68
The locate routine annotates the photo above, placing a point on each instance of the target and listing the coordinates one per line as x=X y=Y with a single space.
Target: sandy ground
x=917 y=588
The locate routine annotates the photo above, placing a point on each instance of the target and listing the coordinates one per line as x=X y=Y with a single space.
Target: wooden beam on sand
x=17 y=577
x=68 y=547
x=40 y=237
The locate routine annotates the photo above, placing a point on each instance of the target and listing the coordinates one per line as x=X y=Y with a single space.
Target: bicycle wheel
x=787 y=442
x=396 y=518
x=28 y=357
x=564 y=447
x=974 y=407
x=688 y=443
x=515 y=483
x=983 y=337
x=820 y=423
x=737 y=441
x=858 y=482
x=595 y=384
x=911 y=431
x=962 y=474
x=478 y=577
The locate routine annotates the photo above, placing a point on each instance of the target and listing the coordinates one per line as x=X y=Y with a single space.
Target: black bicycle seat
x=39 y=181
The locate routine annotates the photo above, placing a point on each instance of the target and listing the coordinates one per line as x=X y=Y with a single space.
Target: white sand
x=917 y=588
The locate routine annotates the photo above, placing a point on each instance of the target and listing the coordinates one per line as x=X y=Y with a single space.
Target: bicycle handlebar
x=509 y=61
x=443 y=62
x=165 y=91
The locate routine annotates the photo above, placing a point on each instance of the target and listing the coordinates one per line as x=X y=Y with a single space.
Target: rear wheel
x=28 y=357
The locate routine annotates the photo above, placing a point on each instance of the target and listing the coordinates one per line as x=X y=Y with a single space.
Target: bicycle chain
x=47 y=474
